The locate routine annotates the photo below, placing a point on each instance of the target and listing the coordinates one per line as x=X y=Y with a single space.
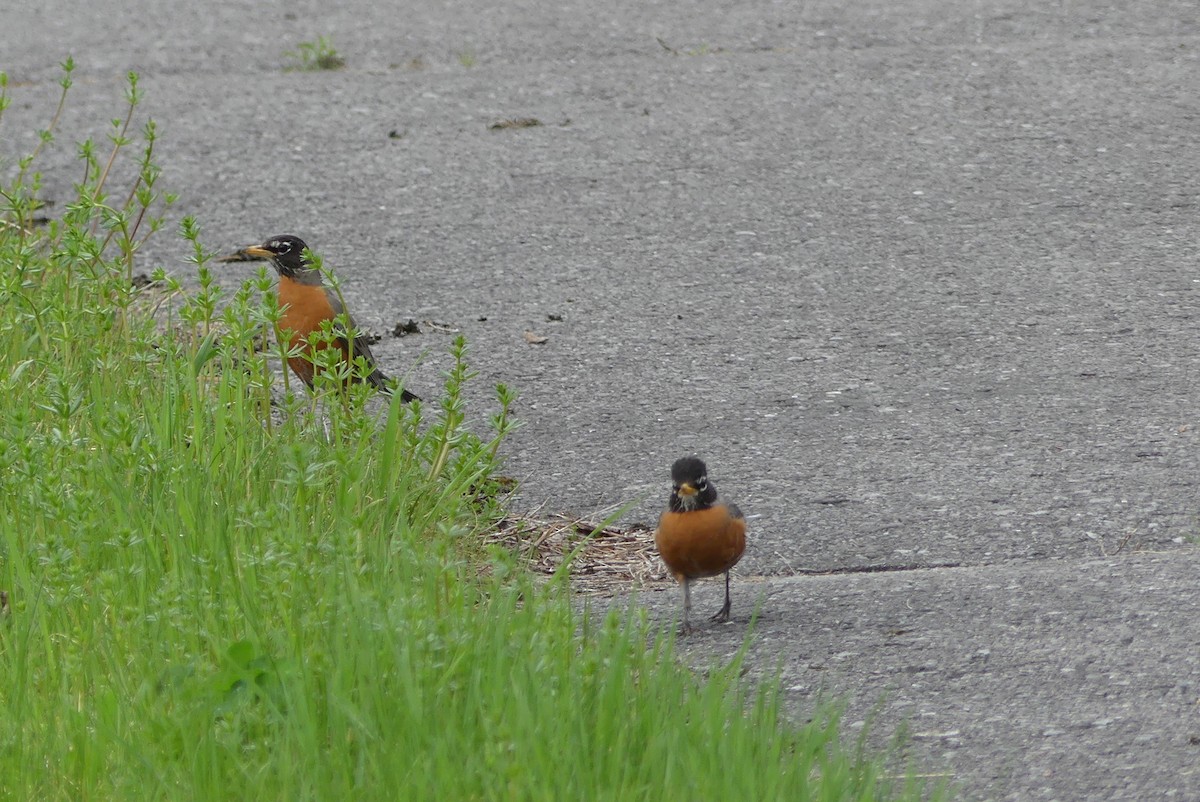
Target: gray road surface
x=917 y=278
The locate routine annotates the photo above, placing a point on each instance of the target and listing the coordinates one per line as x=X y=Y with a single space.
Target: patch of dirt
x=406 y=327
x=605 y=560
x=533 y=338
x=519 y=122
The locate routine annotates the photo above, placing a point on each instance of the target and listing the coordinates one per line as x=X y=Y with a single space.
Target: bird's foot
x=722 y=615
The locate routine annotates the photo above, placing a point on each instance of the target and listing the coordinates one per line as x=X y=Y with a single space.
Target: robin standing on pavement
x=306 y=304
x=699 y=536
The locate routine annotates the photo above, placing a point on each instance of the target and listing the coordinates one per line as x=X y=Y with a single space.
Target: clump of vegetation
x=213 y=593
x=318 y=55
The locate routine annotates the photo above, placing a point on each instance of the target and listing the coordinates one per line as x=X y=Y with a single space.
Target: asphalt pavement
x=917 y=279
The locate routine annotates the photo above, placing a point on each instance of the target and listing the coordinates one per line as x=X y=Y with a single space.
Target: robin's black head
x=286 y=253
x=690 y=488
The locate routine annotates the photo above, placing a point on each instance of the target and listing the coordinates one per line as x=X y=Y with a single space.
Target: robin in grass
x=699 y=536
x=306 y=303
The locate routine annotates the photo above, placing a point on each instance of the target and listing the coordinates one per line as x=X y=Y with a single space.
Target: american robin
x=307 y=302
x=699 y=536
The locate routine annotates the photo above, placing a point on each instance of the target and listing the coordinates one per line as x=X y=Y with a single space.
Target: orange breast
x=700 y=543
x=307 y=307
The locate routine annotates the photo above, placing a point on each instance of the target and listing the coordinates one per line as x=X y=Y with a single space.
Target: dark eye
x=703 y=483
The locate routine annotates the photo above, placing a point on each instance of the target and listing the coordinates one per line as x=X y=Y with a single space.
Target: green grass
x=215 y=598
x=467 y=58
x=312 y=56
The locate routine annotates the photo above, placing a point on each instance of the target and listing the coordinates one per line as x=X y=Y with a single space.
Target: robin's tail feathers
x=383 y=384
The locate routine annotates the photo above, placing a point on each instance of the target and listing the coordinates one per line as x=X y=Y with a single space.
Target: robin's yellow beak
x=251 y=254
x=257 y=252
x=686 y=489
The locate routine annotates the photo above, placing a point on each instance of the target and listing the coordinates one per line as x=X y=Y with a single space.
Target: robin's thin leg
x=686 y=626
x=723 y=613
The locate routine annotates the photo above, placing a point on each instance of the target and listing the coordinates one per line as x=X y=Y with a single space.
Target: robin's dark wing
x=361 y=348
x=734 y=511
x=376 y=378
